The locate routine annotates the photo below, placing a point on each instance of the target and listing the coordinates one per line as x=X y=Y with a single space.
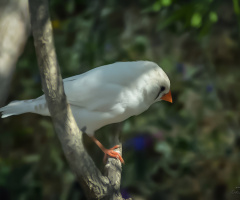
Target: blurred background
x=188 y=150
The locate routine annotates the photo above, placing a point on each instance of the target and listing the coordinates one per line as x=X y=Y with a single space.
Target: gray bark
x=95 y=185
x=14 y=31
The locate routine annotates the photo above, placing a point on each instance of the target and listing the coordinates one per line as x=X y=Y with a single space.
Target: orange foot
x=112 y=153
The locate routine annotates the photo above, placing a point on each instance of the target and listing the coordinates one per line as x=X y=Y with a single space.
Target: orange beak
x=167 y=97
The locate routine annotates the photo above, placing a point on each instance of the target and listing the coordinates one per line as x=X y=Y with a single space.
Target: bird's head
x=155 y=82
x=164 y=92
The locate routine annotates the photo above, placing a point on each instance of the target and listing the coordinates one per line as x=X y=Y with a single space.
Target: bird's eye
x=162 y=88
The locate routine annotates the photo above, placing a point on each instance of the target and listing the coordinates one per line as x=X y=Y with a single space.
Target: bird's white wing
x=92 y=95
x=104 y=87
x=93 y=90
x=107 y=86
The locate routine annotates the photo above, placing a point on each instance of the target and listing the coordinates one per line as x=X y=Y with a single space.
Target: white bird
x=105 y=95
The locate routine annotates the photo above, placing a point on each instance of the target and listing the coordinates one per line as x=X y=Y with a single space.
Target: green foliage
x=236 y=7
x=196 y=20
x=185 y=150
x=213 y=17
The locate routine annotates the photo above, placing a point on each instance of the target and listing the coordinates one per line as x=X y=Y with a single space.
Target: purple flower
x=139 y=143
x=125 y=193
x=209 y=88
x=180 y=68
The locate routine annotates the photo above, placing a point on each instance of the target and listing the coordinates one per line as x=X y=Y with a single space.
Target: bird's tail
x=16 y=108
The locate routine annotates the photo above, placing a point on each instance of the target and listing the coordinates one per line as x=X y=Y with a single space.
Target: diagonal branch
x=95 y=185
x=13 y=17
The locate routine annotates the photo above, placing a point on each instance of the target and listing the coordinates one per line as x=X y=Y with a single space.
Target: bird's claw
x=112 y=153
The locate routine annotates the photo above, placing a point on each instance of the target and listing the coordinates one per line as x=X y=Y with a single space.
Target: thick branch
x=96 y=185
x=13 y=18
x=113 y=167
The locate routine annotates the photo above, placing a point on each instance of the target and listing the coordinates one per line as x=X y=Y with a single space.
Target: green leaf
x=236 y=7
x=70 y=6
x=157 y=6
x=164 y=148
x=196 y=20
x=166 y=2
x=31 y=158
x=213 y=17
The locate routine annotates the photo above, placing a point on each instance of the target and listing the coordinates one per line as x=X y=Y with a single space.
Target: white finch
x=105 y=95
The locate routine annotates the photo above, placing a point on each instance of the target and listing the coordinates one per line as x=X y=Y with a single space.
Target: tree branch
x=95 y=185
x=13 y=17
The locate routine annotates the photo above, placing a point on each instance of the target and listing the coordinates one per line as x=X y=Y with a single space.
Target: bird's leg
x=109 y=152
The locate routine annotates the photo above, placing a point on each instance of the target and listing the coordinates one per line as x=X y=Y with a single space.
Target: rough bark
x=14 y=31
x=95 y=185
